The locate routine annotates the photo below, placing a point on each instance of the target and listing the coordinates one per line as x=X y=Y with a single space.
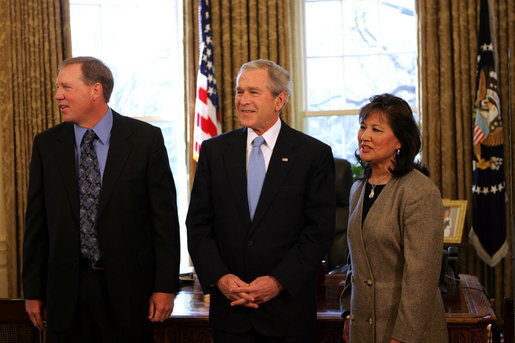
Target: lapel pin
x=285 y=159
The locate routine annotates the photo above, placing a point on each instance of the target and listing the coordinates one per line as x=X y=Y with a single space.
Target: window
x=141 y=42
x=351 y=50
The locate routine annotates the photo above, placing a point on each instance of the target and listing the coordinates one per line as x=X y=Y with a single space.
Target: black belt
x=88 y=264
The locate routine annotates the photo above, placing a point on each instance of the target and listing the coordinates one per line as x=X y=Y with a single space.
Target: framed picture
x=454 y=212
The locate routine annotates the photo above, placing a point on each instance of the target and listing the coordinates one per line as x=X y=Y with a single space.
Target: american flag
x=488 y=234
x=207 y=111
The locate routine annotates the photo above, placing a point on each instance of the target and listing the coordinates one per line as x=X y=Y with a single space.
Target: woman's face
x=377 y=142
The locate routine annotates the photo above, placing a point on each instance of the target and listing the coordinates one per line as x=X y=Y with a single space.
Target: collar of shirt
x=102 y=129
x=270 y=137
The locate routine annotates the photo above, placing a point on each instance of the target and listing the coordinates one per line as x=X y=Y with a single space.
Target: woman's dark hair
x=400 y=118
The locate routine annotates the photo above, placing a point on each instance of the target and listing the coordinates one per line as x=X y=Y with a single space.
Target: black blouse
x=368 y=202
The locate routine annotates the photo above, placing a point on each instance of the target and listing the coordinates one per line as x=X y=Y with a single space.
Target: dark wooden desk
x=468 y=313
x=189 y=321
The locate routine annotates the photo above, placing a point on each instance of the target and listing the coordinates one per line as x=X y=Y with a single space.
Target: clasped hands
x=251 y=295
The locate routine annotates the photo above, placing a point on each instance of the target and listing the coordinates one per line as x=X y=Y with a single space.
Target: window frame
x=160 y=119
x=300 y=71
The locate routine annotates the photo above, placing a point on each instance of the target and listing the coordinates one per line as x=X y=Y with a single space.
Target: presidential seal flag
x=207 y=111
x=488 y=233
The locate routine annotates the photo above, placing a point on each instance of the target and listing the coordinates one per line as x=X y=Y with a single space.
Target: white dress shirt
x=267 y=147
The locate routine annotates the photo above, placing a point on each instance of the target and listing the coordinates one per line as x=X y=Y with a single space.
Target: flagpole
x=512 y=216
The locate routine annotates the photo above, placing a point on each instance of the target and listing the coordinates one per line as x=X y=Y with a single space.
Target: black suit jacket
x=291 y=231
x=138 y=228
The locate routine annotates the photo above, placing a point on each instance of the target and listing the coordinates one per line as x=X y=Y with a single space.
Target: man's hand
x=161 y=306
x=262 y=289
x=230 y=285
x=37 y=312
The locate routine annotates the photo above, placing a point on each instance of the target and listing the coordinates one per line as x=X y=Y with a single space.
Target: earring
x=397 y=151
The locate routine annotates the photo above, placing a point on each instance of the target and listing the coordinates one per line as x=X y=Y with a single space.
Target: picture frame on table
x=454 y=219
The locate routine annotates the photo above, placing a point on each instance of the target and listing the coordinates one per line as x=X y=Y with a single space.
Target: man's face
x=74 y=97
x=257 y=107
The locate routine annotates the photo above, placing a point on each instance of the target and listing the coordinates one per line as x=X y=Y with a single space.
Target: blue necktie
x=89 y=193
x=255 y=174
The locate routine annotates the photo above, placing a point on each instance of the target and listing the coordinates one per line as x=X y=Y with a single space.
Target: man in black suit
x=101 y=245
x=258 y=255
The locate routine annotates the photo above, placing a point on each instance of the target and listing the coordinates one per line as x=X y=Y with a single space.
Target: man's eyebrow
x=249 y=88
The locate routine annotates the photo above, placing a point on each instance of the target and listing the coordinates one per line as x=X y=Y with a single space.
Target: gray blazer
x=392 y=286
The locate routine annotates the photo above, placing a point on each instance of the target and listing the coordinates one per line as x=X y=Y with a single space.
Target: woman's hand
x=346 y=325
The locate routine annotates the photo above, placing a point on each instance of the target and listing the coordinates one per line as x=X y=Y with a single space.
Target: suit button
x=369 y=283
x=250 y=243
x=370 y=321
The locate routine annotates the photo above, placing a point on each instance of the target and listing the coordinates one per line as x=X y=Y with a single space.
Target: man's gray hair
x=279 y=77
x=93 y=71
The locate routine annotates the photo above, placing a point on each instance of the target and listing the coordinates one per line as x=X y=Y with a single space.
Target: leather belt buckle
x=96 y=265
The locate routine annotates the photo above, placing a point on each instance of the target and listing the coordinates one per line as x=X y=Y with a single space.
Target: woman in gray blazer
x=395 y=234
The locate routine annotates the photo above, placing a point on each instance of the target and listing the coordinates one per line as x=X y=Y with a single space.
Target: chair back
x=15 y=325
x=337 y=255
